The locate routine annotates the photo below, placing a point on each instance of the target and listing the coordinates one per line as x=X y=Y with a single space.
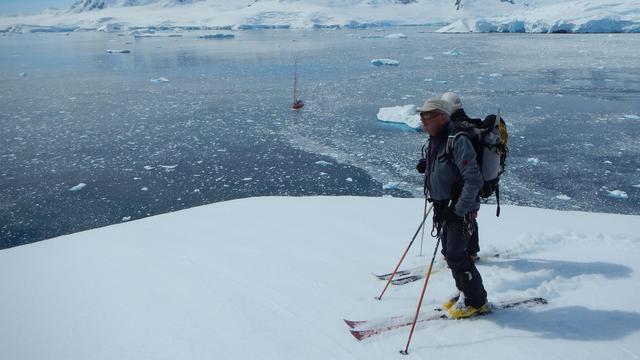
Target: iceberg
x=396 y=36
x=454 y=52
x=390 y=186
x=217 y=36
x=405 y=115
x=617 y=194
x=381 y=62
x=159 y=80
x=78 y=187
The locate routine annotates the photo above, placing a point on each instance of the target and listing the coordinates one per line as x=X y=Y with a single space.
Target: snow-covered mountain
x=462 y=16
x=91 y=5
x=272 y=278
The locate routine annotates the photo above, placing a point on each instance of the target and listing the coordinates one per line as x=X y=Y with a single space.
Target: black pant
x=457 y=246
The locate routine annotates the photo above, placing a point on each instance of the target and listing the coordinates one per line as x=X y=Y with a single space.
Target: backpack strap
x=448 y=150
x=498 y=200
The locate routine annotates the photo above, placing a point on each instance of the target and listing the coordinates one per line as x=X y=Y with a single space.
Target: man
x=453 y=183
x=458 y=115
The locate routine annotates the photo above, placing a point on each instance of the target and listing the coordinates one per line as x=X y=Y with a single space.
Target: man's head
x=453 y=99
x=434 y=115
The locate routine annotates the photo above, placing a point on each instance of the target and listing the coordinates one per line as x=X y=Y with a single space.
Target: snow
x=475 y=16
x=405 y=115
x=579 y=16
x=381 y=62
x=617 y=194
x=272 y=278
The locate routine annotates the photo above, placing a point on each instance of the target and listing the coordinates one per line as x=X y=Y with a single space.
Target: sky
x=9 y=7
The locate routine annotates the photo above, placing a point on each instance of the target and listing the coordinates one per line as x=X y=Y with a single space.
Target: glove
x=422 y=166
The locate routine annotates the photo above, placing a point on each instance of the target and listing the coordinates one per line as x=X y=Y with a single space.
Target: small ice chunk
x=126 y=218
x=23 y=74
x=149 y=167
x=533 y=161
x=371 y=36
x=631 y=116
x=617 y=194
x=160 y=80
x=78 y=187
x=144 y=188
x=607 y=162
x=247 y=179
x=400 y=114
x=636 y=186
x=388 y=62
x=428 y=57
x=168 y=167
x=323 y=163
x=390 y=186
x=351 y=180
x=217 y=36
x=454 y=52
x=122 y=51
x=563 y=197
x=495 y=75
x=396 y=36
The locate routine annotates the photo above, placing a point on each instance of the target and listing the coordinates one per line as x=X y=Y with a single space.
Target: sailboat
x=297 y=103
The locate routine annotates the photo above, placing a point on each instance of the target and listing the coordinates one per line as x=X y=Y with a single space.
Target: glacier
x=541 y=16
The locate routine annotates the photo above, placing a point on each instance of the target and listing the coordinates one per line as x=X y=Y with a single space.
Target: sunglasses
x=425 y=116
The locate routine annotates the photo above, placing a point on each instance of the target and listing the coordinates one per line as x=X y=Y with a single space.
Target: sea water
x=91 y=138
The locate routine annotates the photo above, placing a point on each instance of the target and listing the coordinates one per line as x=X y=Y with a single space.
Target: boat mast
x=295 y=82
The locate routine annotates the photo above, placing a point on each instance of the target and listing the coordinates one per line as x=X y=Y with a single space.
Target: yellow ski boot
x=462 y=311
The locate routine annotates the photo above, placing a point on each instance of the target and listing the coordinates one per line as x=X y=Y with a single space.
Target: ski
x=398 y=273
x=410 y=275
x=407 y=279
x=365 y=329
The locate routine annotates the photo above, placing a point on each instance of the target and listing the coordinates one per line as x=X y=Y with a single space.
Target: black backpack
x=489 y=139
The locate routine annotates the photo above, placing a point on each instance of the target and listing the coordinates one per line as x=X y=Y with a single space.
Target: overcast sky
x=8 y=7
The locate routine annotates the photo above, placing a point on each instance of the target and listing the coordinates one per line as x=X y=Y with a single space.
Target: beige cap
x=453 y=99
x=436 y=104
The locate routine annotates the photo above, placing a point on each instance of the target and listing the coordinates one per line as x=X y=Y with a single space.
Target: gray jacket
x=444 y=178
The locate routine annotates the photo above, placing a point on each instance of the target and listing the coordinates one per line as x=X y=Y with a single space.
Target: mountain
x=452 y=16
x=92 y=5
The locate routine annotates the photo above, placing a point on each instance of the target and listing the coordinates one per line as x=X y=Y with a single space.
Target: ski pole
x=424 y=288
x=424 y=218
x=422 y=237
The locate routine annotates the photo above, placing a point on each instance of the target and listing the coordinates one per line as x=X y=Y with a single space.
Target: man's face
x=433 y=122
